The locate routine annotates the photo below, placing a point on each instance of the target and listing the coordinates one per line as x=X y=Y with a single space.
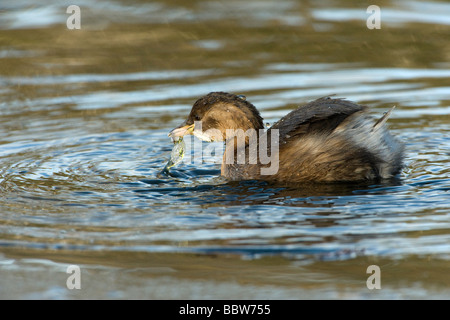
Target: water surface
x=83 y=139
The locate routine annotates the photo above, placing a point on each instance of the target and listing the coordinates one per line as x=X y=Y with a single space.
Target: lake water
x=83 y=138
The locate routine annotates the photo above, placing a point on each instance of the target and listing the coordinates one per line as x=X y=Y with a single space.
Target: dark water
x=83 y=139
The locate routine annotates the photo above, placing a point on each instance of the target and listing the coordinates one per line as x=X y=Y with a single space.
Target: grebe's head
x=216 y=112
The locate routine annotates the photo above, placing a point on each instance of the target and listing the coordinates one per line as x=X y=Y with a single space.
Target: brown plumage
x=325 y=140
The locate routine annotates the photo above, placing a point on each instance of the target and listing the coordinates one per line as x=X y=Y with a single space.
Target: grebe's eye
x=197 y=117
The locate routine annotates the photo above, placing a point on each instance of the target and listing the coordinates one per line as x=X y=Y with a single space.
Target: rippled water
x=83 y=139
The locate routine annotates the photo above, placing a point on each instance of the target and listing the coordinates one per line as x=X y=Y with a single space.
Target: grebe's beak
x=181 y=131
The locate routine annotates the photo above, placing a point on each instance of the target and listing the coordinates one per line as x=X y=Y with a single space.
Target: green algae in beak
x=176 y=155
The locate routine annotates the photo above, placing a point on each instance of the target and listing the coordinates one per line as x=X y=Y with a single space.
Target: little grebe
x=326 y=140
